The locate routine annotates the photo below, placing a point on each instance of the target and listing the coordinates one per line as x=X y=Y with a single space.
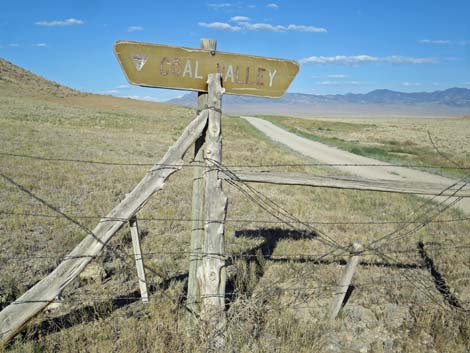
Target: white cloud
x=444 y=42
x=219 y=6
x=239 y=18
x=411 y=84
x=220 y=25
x=262 y=27
x=118 y=89
x=396 y=59
x=60 y=23
x=14 y=45
x=435 y=41
x=272 y=6
x=135 y=28
x=143 y=98
x=302 y=28
x=241 y=23
x=40 y=45
x=339 y=59
x=338 y=76
x=360 y=59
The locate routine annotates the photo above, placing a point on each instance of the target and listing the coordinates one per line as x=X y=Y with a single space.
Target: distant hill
x=16 y=81
x=383 y=102
x=18 y=84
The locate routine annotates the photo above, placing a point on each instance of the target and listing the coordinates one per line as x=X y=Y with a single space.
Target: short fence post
x=343 y=285
x=139 y=261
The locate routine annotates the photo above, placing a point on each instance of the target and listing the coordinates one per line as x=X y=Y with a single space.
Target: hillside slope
x=15 y=80
x=18 y=83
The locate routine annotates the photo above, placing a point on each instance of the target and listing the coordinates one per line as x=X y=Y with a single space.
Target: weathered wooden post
x=343 y=285
x=211 y=274
x=139 y=261
x=197 y=214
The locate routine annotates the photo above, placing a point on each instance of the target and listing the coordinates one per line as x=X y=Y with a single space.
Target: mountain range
x=382 y=102
x=16 y=81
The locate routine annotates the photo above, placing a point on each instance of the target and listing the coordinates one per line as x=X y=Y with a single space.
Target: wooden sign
x=155 y=65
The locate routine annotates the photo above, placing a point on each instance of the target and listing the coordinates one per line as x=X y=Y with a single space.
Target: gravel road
x=332 y=155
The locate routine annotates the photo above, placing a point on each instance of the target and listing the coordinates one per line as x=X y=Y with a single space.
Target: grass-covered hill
x=16 y=81
x=408 y=298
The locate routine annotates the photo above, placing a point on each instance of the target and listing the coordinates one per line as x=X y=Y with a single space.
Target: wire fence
x=312 y=257
x=198 y=164
x=228 y=220
x=293 y=296
x=304 y=297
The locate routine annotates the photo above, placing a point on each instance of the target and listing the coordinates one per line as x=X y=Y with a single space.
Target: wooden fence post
x=197 y=214
x=139 y=261
x=211 y=274
x=343 y=285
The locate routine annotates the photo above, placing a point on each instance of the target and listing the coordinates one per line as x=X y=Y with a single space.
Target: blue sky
x=343 y=46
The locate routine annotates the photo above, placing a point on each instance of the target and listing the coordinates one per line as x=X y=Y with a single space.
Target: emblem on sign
x=139 y=61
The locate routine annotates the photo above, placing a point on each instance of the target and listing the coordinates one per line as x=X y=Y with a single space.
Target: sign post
x=205 y=70
x=197 y=214
x=156 y=65
x=211 y=273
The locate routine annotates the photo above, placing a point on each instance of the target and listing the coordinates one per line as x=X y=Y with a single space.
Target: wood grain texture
x=212 y=274
x=198 y=201
x=17 y=314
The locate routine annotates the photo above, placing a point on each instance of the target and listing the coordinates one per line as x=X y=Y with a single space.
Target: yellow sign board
x=155 y=65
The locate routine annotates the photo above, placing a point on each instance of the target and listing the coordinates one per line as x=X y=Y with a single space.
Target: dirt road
x=332 y=155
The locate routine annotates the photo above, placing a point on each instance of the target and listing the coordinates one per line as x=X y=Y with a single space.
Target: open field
x=406 y=140
x=407 y=297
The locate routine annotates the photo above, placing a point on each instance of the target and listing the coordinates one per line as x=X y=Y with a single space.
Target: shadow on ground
x=264 y=251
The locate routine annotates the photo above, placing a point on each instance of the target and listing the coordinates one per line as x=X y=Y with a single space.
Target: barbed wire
x=194 y=163
x=229 y=220
x=426 y=207
x=313 y=257
x=105 y=245
x=376 y=281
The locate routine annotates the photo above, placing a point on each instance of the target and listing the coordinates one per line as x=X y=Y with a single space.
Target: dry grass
x=277 y=305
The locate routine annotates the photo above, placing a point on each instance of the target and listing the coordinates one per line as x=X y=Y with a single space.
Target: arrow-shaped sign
x=155 y=65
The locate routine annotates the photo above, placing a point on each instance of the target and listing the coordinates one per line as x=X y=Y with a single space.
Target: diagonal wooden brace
x=18 y=313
